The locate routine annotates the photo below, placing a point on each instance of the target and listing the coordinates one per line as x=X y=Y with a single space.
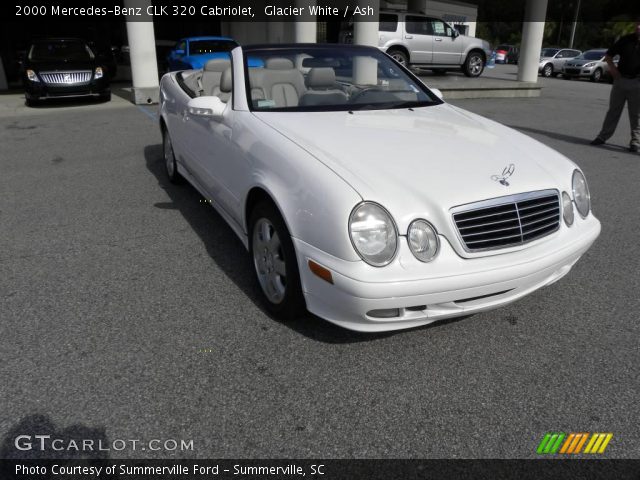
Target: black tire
x=285 y=301
x=399 y=56
x=105 y=97
x=596 y=76
x=547 y=70
x=31 y=102
x=473 y=65
x=169 y=159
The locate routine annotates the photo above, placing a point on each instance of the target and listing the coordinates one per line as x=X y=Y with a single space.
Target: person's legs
x=633 y=98
x=616 y=105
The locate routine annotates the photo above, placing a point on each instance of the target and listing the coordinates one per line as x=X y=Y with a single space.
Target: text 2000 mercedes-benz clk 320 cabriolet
x=361 y=195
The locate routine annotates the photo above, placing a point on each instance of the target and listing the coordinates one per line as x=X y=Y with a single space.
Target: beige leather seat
x=226 y=85
x=279 y=81
x=212 y=75
x=322 y=88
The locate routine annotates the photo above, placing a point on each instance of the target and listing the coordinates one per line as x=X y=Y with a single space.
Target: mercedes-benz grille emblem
x=506 y=173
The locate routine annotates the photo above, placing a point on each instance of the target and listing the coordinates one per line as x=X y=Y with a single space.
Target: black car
x=63 y=67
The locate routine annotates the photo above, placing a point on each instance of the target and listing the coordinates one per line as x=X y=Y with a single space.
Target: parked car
x=417 y=40
x=507 y=54
x=553 y=59
x=589 y=64
x=333 y=165
x=194 y=52
x=63 y=67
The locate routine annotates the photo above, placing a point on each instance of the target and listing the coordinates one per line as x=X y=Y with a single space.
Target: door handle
x=409 y=37
x=438 y=39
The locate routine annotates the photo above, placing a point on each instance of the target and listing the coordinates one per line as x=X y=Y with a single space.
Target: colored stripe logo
x=572 y=443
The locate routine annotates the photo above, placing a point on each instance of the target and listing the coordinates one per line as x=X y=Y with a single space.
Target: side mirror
x=455 y=33
x=209 y=107
x=437 y=93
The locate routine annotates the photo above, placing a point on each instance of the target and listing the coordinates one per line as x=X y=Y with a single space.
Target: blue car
x=193 y=52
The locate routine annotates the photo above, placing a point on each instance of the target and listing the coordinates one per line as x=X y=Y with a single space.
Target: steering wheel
x=362 y=92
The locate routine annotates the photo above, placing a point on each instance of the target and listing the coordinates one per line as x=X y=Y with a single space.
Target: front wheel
x=275 y=263
x=597 y=75
x=170 y=165
x=473 y=65
x=547 y=70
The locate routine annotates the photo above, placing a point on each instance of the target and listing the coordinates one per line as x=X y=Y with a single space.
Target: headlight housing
x=588 y=65
x=581 y=195
x=98 y=73
x=31 y=75
x=567 y=209
x=373 y=234
x=423 y=240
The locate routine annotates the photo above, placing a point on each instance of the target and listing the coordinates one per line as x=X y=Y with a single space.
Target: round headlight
x=373 y=234
x=567 y=209
x=423 y=240
x=581 y=193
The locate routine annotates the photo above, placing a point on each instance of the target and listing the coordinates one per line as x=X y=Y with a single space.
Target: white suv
x=414 y=39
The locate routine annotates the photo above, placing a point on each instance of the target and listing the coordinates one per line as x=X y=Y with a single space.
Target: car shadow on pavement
x=24 y=442
x=226 y=250
x=570 y=138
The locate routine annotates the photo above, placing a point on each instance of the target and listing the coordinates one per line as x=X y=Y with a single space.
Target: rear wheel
x=473 y=65
x=275 y=263
x=597 y=75
x=547 y=70
x=399 y=56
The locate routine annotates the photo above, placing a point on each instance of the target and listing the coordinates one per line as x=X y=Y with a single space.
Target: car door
x=418 y=40
x=447 y=49
x=560 y=59
x=216 y=159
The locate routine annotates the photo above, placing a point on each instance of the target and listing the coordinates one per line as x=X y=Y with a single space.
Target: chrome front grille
x=66 y=78
x=507 y=221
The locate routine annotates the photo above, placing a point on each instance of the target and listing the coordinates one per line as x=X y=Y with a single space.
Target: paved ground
x=129 y=312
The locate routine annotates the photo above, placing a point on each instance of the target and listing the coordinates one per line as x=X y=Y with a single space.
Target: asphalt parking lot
x=129 y=312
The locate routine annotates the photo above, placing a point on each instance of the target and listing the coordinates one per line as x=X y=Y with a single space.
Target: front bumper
x=578 y=71
x=450 y=286
x=41 y=90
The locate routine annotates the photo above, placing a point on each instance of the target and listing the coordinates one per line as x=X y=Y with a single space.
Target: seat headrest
x=279 y=64
x=226 y=81
x=217 y=65
x=321 y=77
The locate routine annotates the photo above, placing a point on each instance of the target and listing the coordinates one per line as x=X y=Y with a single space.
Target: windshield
x=549 y=52
x=59 y=50
x=197 y=47
x=592 y=55
x=330 y=78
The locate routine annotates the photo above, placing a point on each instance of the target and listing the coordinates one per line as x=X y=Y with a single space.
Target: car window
x=323 y=78
x=60 y=50
x=439 y=29
x=548 y=52
x=593 y=55
x=417 y=25
x=574 y=53
x=198 y=47
x=388 y=22
x=181 y=46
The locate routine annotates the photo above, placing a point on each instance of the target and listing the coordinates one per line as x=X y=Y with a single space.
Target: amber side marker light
x=320 y=271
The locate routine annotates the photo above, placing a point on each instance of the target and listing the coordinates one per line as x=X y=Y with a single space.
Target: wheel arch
x=402 y=48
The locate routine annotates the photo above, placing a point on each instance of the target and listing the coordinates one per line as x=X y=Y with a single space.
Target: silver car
x=418 y=40
x=553 y=59
x=589 y=65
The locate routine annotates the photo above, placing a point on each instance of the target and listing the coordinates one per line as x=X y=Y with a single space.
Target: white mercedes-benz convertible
x=361 y=195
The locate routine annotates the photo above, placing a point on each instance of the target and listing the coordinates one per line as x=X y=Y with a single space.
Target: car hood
x=46 y=66
x=423 y=161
